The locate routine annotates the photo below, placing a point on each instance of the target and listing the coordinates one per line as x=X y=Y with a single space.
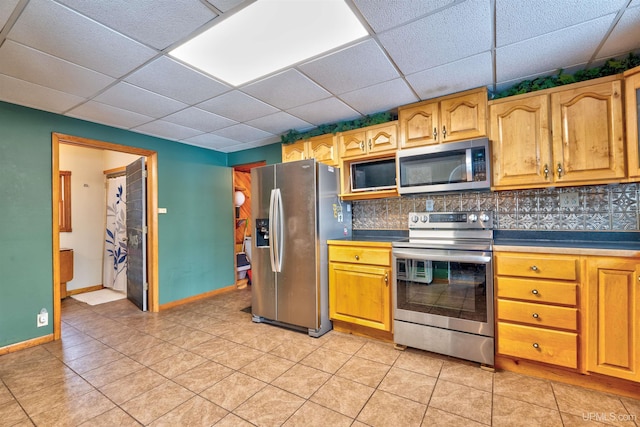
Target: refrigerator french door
x=296 y=209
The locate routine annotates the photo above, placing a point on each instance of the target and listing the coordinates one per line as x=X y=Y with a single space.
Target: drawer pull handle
x=535 y=315
x=357 y=257
x=534 y=268
x=535 y=292
x=536 y=345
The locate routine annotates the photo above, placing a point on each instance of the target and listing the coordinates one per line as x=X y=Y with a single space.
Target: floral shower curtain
x=115 y=246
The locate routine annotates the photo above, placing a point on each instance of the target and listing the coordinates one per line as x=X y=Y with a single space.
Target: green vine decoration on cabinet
x=612 y=66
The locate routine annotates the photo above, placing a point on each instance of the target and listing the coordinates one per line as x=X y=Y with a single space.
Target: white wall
x=87 y=214
x=116 y=159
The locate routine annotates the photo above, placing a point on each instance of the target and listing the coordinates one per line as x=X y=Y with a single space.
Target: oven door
x=451 y=289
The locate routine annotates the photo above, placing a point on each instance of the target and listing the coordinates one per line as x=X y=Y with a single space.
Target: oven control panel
x=455 y=220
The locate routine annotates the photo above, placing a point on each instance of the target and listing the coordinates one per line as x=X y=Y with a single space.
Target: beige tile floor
x=206 y=363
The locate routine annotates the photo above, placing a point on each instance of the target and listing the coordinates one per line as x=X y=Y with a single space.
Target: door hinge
x=144 y=173
x=146 y=286
x=145 y=230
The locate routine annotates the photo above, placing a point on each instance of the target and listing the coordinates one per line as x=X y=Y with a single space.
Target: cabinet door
x=295 y=151
x=382 y=138
x=419 y=124
x=613 y=317
x=588 y=133
x=463 y=117
x=324 y=149
x=352 y=144
x=360 y=294
x=632 y=97
x=521 y=142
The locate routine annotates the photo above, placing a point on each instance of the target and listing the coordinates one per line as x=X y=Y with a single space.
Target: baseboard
x=197 y=297
x=363 y=331
x=26 y=344
x=83 y=290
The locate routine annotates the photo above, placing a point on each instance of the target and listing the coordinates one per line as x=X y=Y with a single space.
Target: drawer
x=360 y=255
x=538 y=266
x=538 y=344
x=538 y=314
x=542 y=291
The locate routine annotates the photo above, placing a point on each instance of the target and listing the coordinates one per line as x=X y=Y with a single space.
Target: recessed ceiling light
x=270 y=35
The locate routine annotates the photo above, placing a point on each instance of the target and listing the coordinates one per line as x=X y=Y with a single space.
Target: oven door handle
x=431 y=256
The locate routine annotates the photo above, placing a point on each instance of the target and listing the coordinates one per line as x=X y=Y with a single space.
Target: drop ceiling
x=108 y=61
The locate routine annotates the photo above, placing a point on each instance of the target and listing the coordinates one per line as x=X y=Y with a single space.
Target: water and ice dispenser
x=262 y=232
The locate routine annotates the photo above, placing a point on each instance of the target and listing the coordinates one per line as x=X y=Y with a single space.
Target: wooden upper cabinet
x=632 y=110
x=521 y=141
x=559 y=137
x=323 y=148
x=447 y=119
x=371 y=140
x=294 y=152
x=588 y=142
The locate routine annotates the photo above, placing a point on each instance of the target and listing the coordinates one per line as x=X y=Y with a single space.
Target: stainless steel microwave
x=464 y=165
x=373 y=175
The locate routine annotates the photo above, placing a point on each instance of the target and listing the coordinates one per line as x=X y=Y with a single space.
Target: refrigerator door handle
x=272 y=225
x=279 y=231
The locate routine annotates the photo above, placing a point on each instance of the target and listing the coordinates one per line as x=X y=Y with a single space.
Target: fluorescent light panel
x=270 y=35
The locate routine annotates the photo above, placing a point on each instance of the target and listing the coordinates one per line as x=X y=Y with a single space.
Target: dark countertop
x=376 y=236
x=628 y=240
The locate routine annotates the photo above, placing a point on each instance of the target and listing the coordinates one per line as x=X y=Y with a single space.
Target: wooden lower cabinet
x=360 y=286
x=613 y=317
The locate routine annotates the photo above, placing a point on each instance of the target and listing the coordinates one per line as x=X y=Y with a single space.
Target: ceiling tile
x=279 y=123
x=226 y=5
x=287 y=90
x=242 y=133
x=249 y=145
x=37 y=67
x=467 y=73
x=209 y=140
x=237 y=106
x=108 y=115
x=167 y=130
x=199 y=119
x=6 y=9
x=446 y=36
x=174 y=80
x=381 y=97
x=325 y=111
x=133 y=98
x=549 y=52
x=384 y=14
x=31 y=95
x=59 y=31
x=124 y=17
x=521 y=20
x=624 y=37
x=355 y=67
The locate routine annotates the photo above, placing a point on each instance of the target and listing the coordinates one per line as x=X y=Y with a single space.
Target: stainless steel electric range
x=443 y=285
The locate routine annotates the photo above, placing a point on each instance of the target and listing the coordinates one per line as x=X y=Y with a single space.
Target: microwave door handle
x=468 y=161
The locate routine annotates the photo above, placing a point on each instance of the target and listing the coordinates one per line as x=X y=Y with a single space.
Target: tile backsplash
x=614 y=207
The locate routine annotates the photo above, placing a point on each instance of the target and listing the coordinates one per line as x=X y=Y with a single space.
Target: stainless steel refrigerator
x=296 y=208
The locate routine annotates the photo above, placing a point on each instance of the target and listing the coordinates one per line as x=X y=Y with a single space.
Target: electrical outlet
x=569 y=200
x=428 y=205
x=42 y=318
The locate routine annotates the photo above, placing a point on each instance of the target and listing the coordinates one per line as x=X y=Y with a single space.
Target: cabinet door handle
x=536 y=345
x=369 y=143
x=535 y=315
x=535 y=292
x=560 y=170
x=435 y=133
x=546 y=171
x=362 y=145
x=444 y=132
x=386 y=279
x=357 y=257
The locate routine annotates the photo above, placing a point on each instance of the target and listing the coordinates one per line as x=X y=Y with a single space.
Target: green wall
x=269 y=153
x=195 y=236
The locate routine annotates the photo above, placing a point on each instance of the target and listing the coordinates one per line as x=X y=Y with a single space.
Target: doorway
x=151 y=216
